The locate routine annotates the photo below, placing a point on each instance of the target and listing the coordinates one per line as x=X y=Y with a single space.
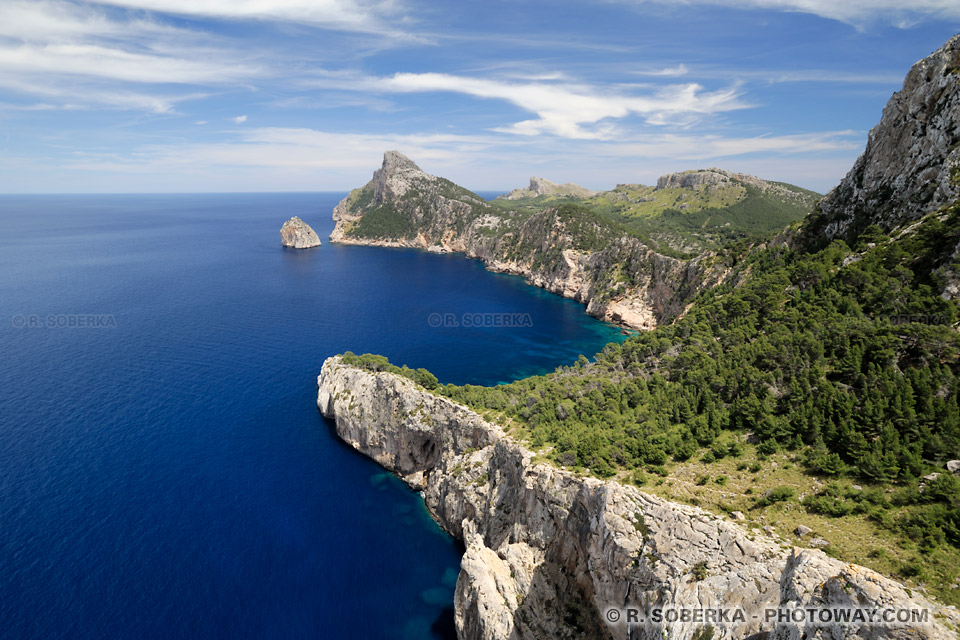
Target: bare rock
x=443 y=217
x=911 y=156
x=297 y=234
x=540 y=540
x=543 y=187
x=802 y=530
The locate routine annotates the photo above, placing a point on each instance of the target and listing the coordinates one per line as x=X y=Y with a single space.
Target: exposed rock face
x=624 y=282
x=398 y=175
x=690 y=179
x=298 y=234
x=910 y=164
x=705 y=177
x=548 y=553
x=543 y=187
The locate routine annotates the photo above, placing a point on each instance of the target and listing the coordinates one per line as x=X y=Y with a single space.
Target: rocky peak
x=396 y=176
x=543 y=187
x=298 y=234
x=911 y=159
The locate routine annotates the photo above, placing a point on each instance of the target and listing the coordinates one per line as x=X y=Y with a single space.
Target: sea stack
x=297 y=234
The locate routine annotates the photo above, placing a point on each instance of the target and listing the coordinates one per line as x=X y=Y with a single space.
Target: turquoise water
x=164 y=471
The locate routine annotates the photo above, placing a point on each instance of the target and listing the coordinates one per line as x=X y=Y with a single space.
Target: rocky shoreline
x=549 y=553
x=624 y=283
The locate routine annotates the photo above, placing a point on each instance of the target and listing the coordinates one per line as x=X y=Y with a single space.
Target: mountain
x=567 y=249
x=540 y=187
x=689 y=212
x=798 y=422
x=911 y=165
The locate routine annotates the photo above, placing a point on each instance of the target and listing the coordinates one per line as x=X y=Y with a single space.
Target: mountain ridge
x=827 y=357
x=566 y=249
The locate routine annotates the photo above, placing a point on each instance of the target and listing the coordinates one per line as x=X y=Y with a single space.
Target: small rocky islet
x=297 y=234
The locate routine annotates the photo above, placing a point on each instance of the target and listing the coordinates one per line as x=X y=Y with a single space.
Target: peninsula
x=791 y=419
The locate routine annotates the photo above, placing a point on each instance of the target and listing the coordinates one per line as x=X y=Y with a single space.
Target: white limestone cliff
x=549 y=553
x=298 y=234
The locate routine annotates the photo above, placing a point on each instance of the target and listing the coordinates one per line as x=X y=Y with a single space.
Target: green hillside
x=819 y=387
x=685 y=221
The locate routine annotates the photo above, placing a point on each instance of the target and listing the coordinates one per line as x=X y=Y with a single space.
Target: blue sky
x=305 y=95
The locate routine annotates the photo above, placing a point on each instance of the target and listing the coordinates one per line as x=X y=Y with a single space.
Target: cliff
x=911 y=162
x=298 y=234
x=710 y=177
x=566 y=249
x=542 y=187
x=550 y=554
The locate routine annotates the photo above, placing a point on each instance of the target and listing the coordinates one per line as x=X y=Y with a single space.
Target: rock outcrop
x=543 y=187
x=700 y=178
x=298 y=234
x=617 y=277
x=550 y=554
x=911 y=164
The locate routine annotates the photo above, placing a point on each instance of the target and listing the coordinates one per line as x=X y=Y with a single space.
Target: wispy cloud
x=710 y=146
x=86 y=56
x=117 y=64
x=377 y=16
x=81 y=94
x=272 y=157
x=855 y=12
x=566 y=108
x=665 y=72
x=239 y=119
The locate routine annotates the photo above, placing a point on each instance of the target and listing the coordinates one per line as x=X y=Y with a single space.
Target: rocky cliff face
x=550 y=554
x=620 y=280
x=298 y=234
x=543 y=187
x=707 y=177
x=912 y=159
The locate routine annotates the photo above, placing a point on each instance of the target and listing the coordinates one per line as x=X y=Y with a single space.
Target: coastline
x=541 y=539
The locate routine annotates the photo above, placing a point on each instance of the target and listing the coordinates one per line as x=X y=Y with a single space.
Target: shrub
x=777 y=494
x=700 y=571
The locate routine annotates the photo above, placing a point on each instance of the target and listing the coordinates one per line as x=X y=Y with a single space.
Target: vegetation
x=376 y=363
x=411 y=214
x=682 y=222
x=846 y=361
x=826 y=368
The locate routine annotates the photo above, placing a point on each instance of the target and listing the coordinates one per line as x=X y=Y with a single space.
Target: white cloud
x=568 y=110
x=239 y=119
x=200 y=122
x=87 y=56
x=46 y=20
x=340 y=14
x=704 y=147
x=116 y=64
x=263 y=159
x=667 y=72
x=75 y=95
x=856 y=12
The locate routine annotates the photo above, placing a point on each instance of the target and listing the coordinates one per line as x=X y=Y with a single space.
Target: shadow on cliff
x=557 y=605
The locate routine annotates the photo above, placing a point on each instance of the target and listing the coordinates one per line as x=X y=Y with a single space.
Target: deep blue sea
x=164 y=471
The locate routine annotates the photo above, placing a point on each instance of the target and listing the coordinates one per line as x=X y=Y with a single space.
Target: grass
x=852 y=538
x=683 y=222
x=730 y=484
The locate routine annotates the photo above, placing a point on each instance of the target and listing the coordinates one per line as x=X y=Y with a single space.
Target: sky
x=306 y=95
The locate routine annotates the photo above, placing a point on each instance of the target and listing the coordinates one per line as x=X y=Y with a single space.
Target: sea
x=164 y=471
